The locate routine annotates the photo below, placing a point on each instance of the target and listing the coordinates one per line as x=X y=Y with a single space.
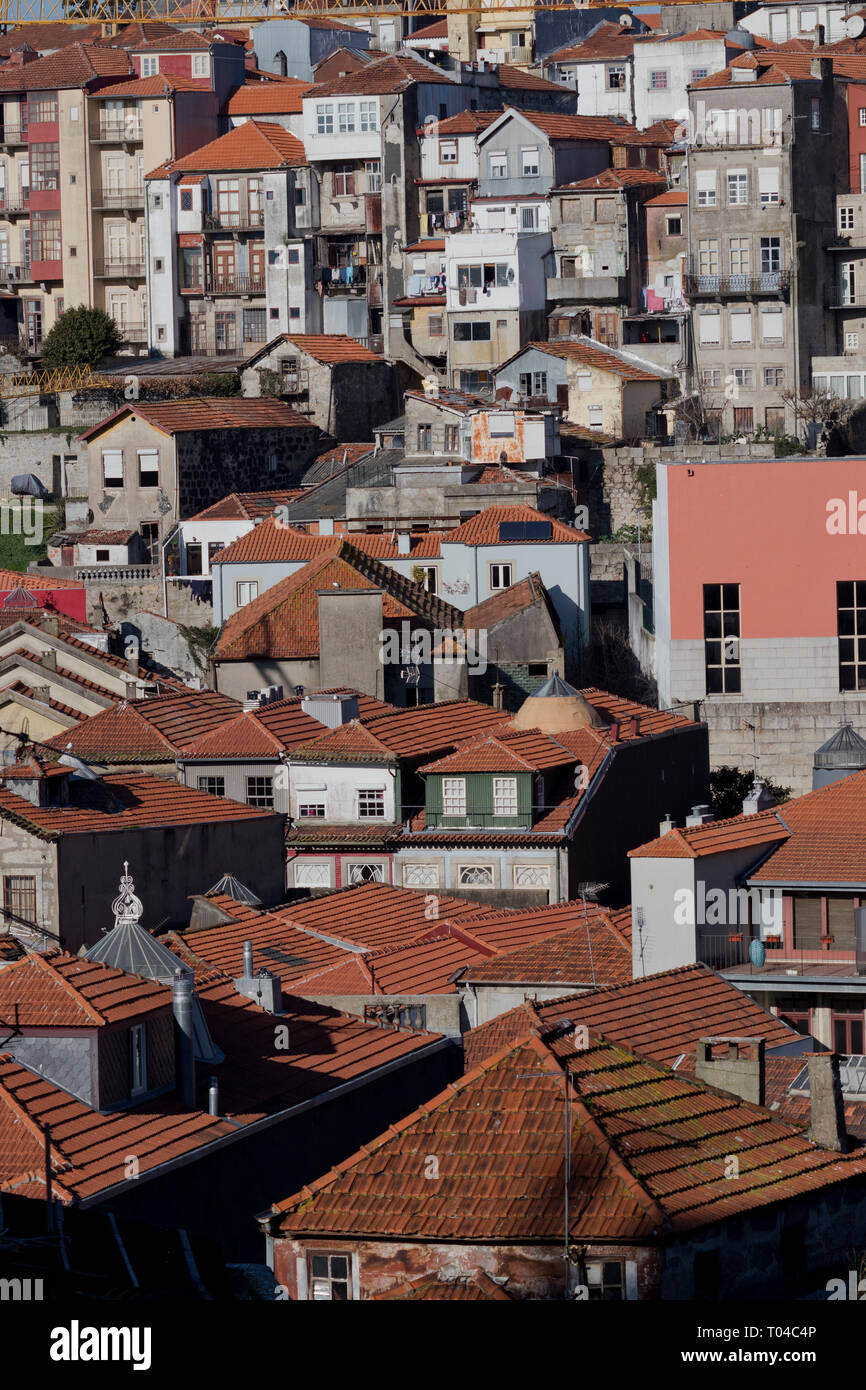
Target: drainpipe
x=166 y=542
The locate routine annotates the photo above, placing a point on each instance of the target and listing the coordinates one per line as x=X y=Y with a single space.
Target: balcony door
x=224 y=264
x=228 y=202
x=118 y=308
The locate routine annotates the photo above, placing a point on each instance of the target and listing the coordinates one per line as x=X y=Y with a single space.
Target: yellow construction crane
x=119 y=12
x=42 y=383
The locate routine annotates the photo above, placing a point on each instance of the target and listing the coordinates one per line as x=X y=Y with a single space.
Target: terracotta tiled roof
x=483 y=528
x=283 y=622
x=778 y=66
x=119 y=802
x=412 y=732
x=520 y=80
x=268 y=98
x=438 y=30
x=178 y=41
x=269 y=730
x=153 y=730
x=464 y=123
x=607 y=40
x=392 y=74
x=718 y=837
x=590 y=953
x=646 y=1142
x=615 y=179
x=55 y=990
x=11 y=579
x=827 y=843
x=674 y=197
x=557 y=126
x=273 y=542
x=74 y=66
x=249 y=506
x=161 y=84
x=332 y=348
x=102 y=537
x=345 y=454
x=253 y=145
x=506 y=603
x=507 y=750
x=207 y=413
x=43 y=37
x=662 y=1016
x=592 y=354
x=90 y=1150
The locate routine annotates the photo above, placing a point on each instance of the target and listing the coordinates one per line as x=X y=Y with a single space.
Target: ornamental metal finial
x=127 y=908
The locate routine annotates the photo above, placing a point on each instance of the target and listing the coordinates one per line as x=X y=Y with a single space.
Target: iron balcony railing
x=236 y=284
x=14 y=205
x=128 y=131
x=697 y=282
x=13 y=135
x=120 y=198
x=251 y=221
x=119 y=269
x=133 y=332
x=11 y=273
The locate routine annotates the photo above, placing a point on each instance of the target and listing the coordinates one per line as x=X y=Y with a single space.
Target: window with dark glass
x=848 y=1033
x=329 y=1278
x=851 y=629
x=722 y=638
x=44 y=167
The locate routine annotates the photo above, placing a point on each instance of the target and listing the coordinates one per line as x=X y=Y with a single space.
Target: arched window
x=282 y=64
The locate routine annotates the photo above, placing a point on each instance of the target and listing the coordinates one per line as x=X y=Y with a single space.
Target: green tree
x=729 y=786
x=81 y=337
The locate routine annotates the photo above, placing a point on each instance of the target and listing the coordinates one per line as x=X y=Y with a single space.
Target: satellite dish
x=625 y=21
x=854 y=26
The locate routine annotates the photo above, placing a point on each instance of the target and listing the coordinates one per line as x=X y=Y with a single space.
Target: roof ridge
x=45 y=963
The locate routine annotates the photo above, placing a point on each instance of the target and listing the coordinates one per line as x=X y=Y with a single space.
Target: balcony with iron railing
x=836 y=298
x=235 y=284
x=119 y=199
x=120 y=269
x=698 y=284
x=133 y=333
x=113 y=132
x=14 y=205
x=347 y=279
x=13 y=135
x=11 y=273
x=252 y=220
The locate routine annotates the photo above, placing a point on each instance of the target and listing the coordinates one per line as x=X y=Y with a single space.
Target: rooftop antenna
x=590 y=891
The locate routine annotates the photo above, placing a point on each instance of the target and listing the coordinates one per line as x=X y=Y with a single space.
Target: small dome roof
x=845 y=749
x=556 y=707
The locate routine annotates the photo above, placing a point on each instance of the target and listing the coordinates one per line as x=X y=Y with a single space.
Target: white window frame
x=201 y=65
x=497 y=164
x=246 y=584
x=369 y=116
x=150 y=65
x=846 y=219
x=454 y=796
x=372 y=796
x=738 y=186
x=324 y=118
x=500 y=576
x=346 y=117
x=143 y=455
x=596 y=417
x=529 y=157
x=114 y=456
x=312 y=873
x=355 y=871
x=660 y=85
x=505 y=801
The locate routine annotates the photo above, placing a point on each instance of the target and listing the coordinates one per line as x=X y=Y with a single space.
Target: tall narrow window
x=851 y=629
x=454 y=796
x=505 y=796
x=722 y=638
x=138 y=1058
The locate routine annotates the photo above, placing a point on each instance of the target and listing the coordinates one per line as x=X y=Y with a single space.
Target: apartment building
x=449 y=169
x=230 y=250
x=598 y=250
x=661 y=327
x=666 y=66
x=44 y=222
x=79 y=129
x=600 y=69
x=768 y=151
x=359 y=138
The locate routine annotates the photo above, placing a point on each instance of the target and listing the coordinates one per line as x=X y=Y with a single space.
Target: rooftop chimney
x=666 y=825
x=822 y=68
x=819 y=37
x=739 y=1068
x=132 y=665
x=760 y=798
x=700 y=815
x=827 y=1114
x=48 y=659
x=264 y=987
x=184 y=1039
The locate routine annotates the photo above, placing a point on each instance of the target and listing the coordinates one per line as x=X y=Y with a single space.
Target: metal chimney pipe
x=248 y=960
x=213 y=1097
x=184 y=1041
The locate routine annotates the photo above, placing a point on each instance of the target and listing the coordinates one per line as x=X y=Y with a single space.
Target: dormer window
x=138 y=1058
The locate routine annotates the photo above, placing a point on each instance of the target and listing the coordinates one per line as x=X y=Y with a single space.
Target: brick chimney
x=19 y=56
x=733 y=1064
x=827 y=1113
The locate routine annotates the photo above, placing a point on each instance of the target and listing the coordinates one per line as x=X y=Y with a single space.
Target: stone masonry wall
x=212 y=463
x=787 y=738
x=42 y=453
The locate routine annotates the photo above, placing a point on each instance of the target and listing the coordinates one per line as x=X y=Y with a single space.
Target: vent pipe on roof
x=700 y=815
x=666 y=825
x=760 y=798
x=213 y=1097
x=827 y=1112
x=248 y=959
x=184 y=1036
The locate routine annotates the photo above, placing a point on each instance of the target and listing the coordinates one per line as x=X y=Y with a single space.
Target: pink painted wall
x=764 y=526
